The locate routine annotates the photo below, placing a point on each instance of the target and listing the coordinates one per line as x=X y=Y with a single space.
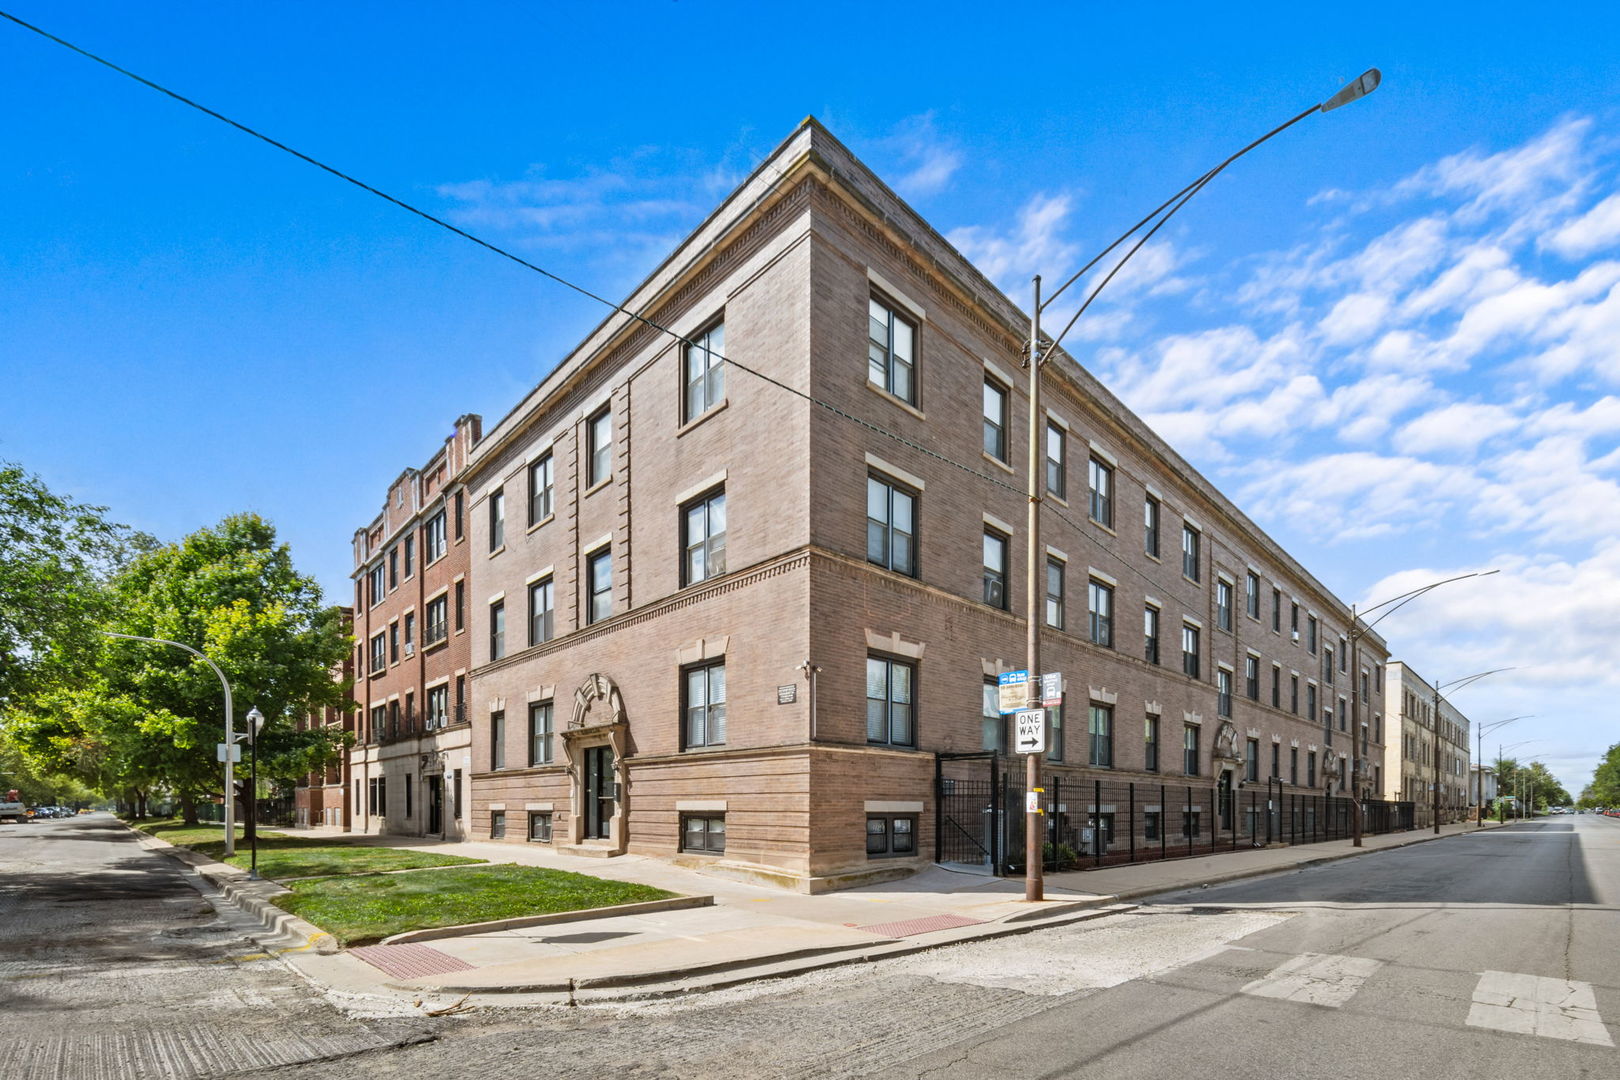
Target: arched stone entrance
x=596 y=743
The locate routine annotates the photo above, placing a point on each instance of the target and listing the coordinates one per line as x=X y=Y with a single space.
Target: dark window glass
x=1102 y=736
x=497 y=520
x=705 y=835
x=891 y=526
x=1150 y=744
x=1150 y=635
x=497 y=824
x=1101 y=477
x=1189 y=552
x=1189 y=650
x=889 y=698
x=497 y=740
x=542 y=613
x=540 y=734
x=497 y=630
x=1100 y=603
x=995 y=420
x=703 y=528
x=1150 y=526
x=600 y=451
x=541 y=490
x=704 y=691
x=1057 y=461
x=891 y=836
x=601 y=579
x=891 y=351
x=995 y=569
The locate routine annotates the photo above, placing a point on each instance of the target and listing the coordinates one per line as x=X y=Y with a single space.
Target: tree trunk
x=140 y=805
x=188 y=808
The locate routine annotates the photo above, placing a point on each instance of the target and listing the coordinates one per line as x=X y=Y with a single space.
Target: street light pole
x=1459 y=684
x=255 y=720
x=230 y=742
x=1358 y=88
x=1479 y=764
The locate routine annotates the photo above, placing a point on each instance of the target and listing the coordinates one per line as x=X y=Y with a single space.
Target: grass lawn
x=361 y=909
x=282 y=856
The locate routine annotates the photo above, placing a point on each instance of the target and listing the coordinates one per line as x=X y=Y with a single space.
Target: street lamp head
x=255 y=719
x=1360 y=87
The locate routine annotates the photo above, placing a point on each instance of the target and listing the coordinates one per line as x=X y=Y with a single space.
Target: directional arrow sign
x=1030 y=728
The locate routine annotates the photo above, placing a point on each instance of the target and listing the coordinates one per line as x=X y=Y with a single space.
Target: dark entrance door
x=435 y=821
x=598 y=792
x=1224 y=791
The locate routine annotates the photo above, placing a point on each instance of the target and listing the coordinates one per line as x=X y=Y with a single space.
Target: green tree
x=152 y=714
x=1605 y=787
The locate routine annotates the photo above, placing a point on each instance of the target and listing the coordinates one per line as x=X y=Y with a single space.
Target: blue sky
x=1390 y=334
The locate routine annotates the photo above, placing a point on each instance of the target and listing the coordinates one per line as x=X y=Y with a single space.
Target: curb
x=253 y=897
x=431 y=933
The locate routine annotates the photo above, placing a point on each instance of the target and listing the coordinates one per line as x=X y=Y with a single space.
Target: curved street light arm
x=1458 y=684
x=1407 y=597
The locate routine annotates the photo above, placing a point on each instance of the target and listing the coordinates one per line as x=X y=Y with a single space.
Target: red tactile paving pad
x=409 y=961
x=910 y=927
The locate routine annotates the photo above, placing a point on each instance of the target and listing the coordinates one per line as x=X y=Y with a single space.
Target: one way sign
x=1029 y=727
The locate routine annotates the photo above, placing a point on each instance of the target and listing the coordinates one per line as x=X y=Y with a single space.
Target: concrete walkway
x=750 y=931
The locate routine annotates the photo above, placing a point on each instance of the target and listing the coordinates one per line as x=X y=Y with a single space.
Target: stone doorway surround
x=598 y=720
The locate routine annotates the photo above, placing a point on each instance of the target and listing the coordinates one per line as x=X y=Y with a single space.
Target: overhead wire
x=1183 y=195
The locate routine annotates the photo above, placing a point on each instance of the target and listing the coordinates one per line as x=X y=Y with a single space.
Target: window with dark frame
x=460 y=504
x=703 y=705
x=541 y=489
x=433 y=539
x=497 y=824
x=1276 y=686
x=1310 y=769
x=1276 y=760
x=1054 y=593
x=891 y=355
x=1150 y=634
x=889 y=698
x=599 y=433
x=704 y=834
x=1150 y=526
x=540 y=733
x=600 y=569
x=410 y=555
x=1189 y=749
x=890 y=836
x=703 y=538
x=393 y=567
x=891 y=525
x=1189 y=552
x=393 y=643
x=1100 y=484
x=992 y=725
x=1223 y=604
x=1251 y=760
x=1057 y=461
x=461 y=605
x=1293 y=765
x=1223 y=691
x=995 y=419
x=1102 y=736
x=1150 y=744
x=995 y=569
x=497 y=520
x=1251 y=594
x=1251 y=677
x=542 y=611
x=497 y=740
x=437 y=627
x=540 y=826
x=1100 y=605
x=1276 y=611
x=705 y=373
x=497 y=630
x=1054 y=731
x=1189 y=650
x=1150 y=824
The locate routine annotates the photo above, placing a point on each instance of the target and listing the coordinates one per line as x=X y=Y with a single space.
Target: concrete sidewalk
x=749 y=931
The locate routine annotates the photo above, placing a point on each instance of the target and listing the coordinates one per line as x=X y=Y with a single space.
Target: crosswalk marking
x=1536 y=1005
x=1315 y=979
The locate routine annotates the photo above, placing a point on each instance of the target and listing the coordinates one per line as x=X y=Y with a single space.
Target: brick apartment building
x=715 y=620
x=1410 y=757
x=407 y=775
x=323 y=798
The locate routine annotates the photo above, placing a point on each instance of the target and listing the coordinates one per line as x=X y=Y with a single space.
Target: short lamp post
x=255 y=721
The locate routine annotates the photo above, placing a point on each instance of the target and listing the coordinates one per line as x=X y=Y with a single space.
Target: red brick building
x=323 y=798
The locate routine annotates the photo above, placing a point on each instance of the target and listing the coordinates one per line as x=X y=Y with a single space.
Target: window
x=1327 y=665
x=1251 y=677
x=891 y=526
x=1150 y=526
x=995 y=569
x=1293 y=694
x=1276 y=686
x=1150 y=744
x=540 y=733
x=1276 y=761
x=891 y=354
x=890 y=837
x=1310 y=769
x=599 y=434
x=438 y=707
x=461 y=605
x=461 y=698
x=705 y=835
x=497 y=740
x=1101 y=481
x=1344 y=654
x=393 y=642
x=410 y=554
x=705 y=372
x=888 y=702
x=705 y=705
x=1057 y=461
x=379 y=652
x=1276 y=611
x=1054 y=593
x=1150 y=824
x=1189 y=749
x=1293 y=619
x=393 y=567
x=379 y=721
x=497 y=630
x=1054 y=733
x=407 y=795
x=410 y=633
x=377 y=584
x=1310 y=633
x=1150 y=635
x=497 y=520
x=703 y=527
x=1293 y=765
x=1102 y=737
x=540 y=826
x=1341 y=715
x=1189 y=649
x=601 y=579
x=1189 y=552
x=1223 y=691
x=993 y=727
x=542 y=613
x=459 y=504
x=1223 y=604
x=1100 y=601
x=995 y=419
x=1189 y=824
x=1251 y=594
x=541 y=490
x=497 y=824
x=1251 y=760
x=1310 y=701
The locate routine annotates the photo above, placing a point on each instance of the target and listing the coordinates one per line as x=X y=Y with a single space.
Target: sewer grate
x=409 y=961
x=924 y=925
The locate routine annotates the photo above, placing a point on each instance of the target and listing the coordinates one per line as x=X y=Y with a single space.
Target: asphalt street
x=1481 y=956
x=112 y=964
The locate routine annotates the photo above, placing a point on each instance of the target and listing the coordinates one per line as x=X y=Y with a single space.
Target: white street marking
x=1316 y=979
x=1534 y=1005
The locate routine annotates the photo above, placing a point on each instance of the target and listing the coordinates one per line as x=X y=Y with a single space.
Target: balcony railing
x=435 y=632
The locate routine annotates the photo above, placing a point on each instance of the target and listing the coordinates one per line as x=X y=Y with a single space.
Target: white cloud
x=1593 y=231
x=1456 y=428
x=932 y=160
x=1355 y=318
x=1011 y=259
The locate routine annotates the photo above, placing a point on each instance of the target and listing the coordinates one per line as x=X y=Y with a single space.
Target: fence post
x=1052 y=833
x=1130 y=795
x=939 y=808
x=1097 y=829
x=998 y=850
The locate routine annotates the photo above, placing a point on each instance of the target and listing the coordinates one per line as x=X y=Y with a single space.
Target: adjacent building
x=732 y=588
x=1428 y=747
x=408 y=773
x=322 y=798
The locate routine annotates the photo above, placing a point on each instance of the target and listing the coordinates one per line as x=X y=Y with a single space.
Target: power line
x=580 y=289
